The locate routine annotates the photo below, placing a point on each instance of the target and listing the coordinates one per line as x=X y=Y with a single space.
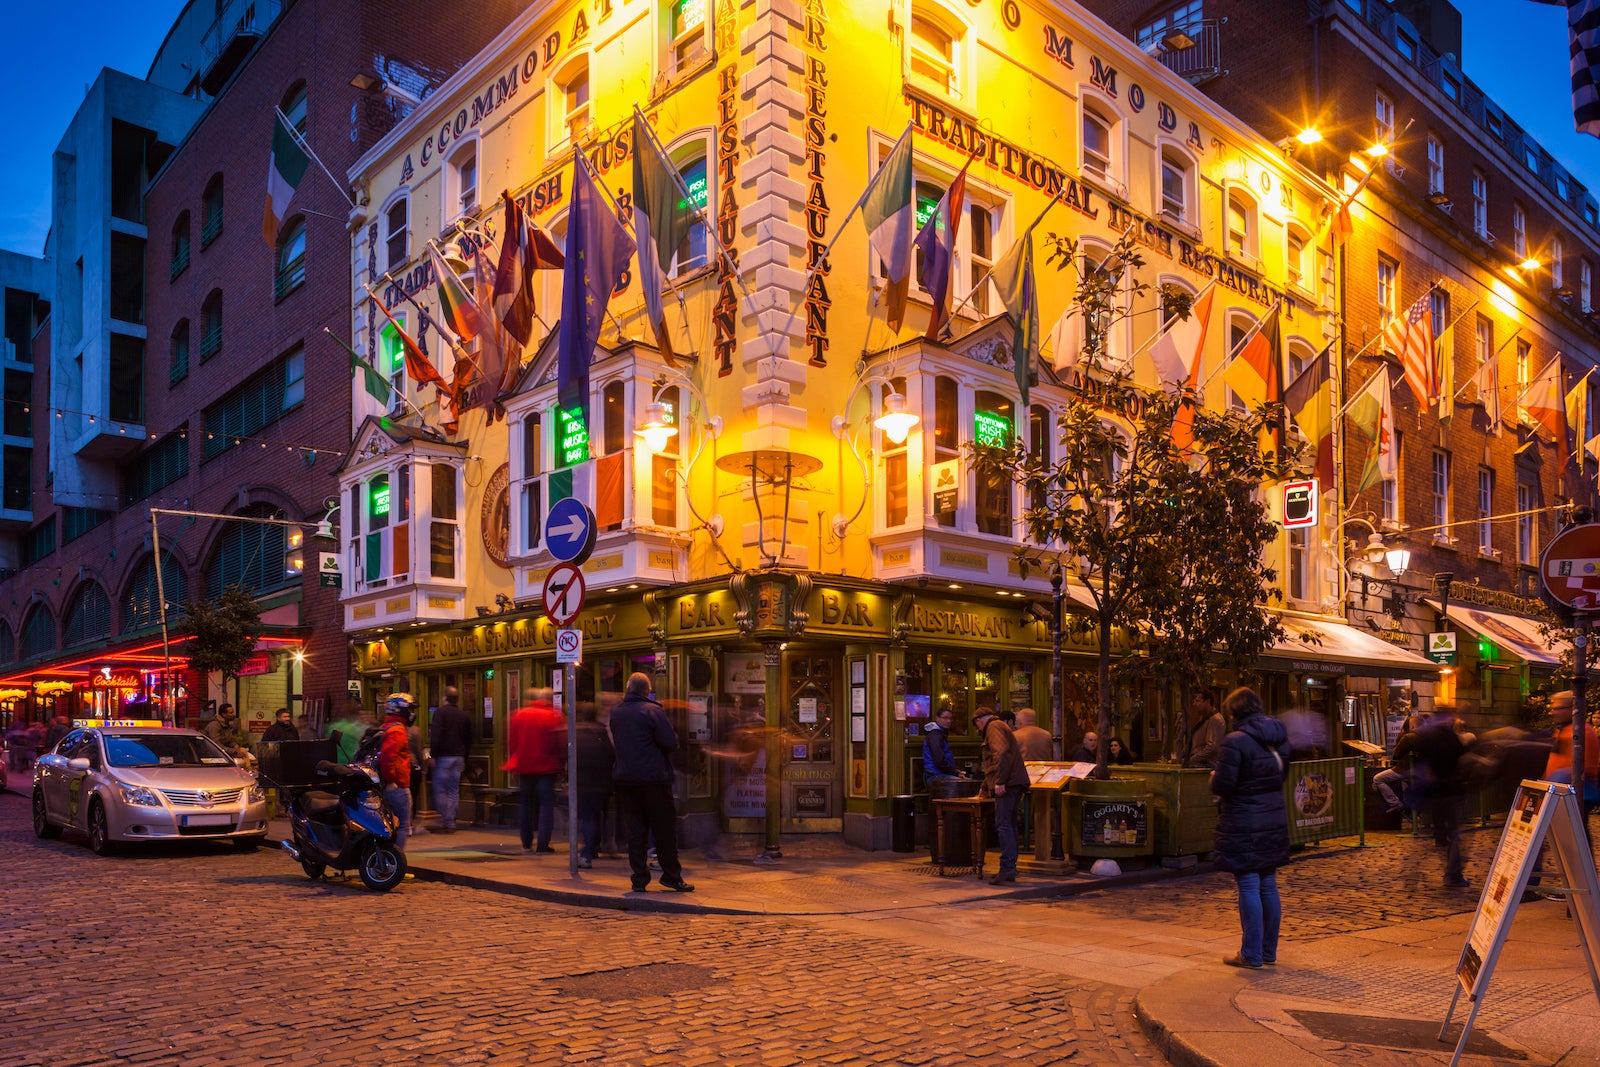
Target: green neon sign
x=572 y=438
x=991 y=430
x=380 y=498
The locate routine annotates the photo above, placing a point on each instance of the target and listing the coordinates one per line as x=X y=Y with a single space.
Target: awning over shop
x=1318 y=647
x=1511 y=633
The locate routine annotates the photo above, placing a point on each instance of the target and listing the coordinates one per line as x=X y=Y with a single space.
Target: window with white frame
x=1104 y=331
x=461 y=183
x=1389 y=488
x=1184 y=18
x=1558 y=270
x=1299 y=544
x=1383 y=131
x=391 y=361
x=1485 y=509
x=1439 y=313
x=1435 y=164
x=380 y=529
x=896 y=470
x=1519 y=230
x=934 y=47
x=1388 y=276
x=1440 y=490
x=1585 y=285
x=694 y=252
x=687 y=29
x=1100 y=133
x=397 y=234
x=1177 y=185
x=994 y=425
x=1240 y=324
x=1480 y=204
x=1241 y=224
x=1297 y=247
x=1527 y=550
x=570 y=118
x=1524 y=358
x=444 y=522
x=1483 y=341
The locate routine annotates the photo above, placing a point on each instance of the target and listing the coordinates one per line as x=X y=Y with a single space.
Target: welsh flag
x=284 y=171
x=892 y=224
x=456 y=306
x=1372 y=411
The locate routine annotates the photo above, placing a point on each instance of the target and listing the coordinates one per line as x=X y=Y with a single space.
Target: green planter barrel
x=1109 y=818
x=1183 y=815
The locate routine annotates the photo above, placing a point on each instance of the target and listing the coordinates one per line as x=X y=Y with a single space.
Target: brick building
x=1468 y=213
x=186 y=365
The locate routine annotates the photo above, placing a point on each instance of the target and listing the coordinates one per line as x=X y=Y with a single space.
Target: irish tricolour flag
x=288 y=166
x=891 y=223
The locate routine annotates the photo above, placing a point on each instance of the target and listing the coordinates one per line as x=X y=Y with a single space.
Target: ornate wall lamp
x=895 y=422
x=660 y=424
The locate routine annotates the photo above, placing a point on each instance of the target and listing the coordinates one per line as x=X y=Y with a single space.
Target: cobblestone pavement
x=205 y=956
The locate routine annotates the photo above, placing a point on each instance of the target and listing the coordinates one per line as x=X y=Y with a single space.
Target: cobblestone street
x=204 y=956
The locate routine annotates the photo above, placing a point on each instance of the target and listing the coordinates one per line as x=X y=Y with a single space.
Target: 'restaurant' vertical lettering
x=817 y=301
x=726 y=311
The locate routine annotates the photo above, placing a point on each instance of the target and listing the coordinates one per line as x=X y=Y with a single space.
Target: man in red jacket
x=394 y=760
x=536 y=750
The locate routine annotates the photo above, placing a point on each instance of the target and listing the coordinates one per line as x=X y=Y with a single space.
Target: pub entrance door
x=811 y=752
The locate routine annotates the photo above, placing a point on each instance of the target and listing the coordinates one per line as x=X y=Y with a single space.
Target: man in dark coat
x=1253 y=822
x=596 y=757
x=643 y=738
x=1005 y=777
x=1438 y=774
x=449 y=738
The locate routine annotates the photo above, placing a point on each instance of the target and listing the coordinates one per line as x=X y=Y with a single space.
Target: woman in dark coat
x=1253 y=823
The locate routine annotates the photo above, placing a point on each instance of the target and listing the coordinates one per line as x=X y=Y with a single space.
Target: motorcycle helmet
x=403 y=705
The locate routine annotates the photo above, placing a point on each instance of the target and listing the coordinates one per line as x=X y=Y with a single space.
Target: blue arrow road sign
x=569 y=531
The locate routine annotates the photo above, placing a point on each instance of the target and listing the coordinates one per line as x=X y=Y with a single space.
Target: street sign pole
x=1580 y=702
x=572 y=769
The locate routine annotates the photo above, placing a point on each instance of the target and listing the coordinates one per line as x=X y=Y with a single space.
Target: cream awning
x=1343 y=649
x=1515 y=634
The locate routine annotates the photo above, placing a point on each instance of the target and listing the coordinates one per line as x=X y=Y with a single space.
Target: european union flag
x=597 y=256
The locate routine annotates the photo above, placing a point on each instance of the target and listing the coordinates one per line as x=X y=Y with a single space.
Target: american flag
x=1583 y=25
x=1410 y=336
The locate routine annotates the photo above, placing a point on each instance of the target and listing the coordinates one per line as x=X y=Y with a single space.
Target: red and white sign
x=569 y=646
x=1570 y=568
x=1299 y=503
x=563 y=593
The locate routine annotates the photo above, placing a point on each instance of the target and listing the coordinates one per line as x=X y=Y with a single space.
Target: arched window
x=1241 y=224
x=1041 y=446
x=294 y=107
x=248 y=554
x=397 y=233
x=38 y=633
x=291 y=272
x=692 y=253
x=934 y=47
x=570 y=118
x=211 y=211
x=1240 y=325
x=463 y=181
x=180 y=244
x=178 y=353
x=1299 y=269
x=211 y=325
x=1101 y=280
x=993 y=425
x=1099 y=151
x=141 y=604
x=1177 y=185
x=946 y=439
x=8 y=643
x=89 y=615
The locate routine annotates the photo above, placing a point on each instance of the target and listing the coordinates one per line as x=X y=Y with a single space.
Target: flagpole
x=305 y=145
x=805 y=283
x=1555 y=361
x=401 y=391
x=475 y=226
x=1166 y=327
x=1236 y=349
x=1501 y=348
x=1438 y=283
x=981 y=282
x=1348 y=404
x=594 y=176
x=1346 y=201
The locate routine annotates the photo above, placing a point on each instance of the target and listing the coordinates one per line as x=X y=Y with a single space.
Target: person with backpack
x=1252 y=839
x=394 y=760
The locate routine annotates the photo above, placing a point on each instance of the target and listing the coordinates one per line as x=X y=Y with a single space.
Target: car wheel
x=250 y=844
x=313 y=869
x=100 y=842
x=42 y=826
x=382 y=867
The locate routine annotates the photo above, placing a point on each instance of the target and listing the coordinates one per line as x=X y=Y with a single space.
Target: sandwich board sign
x=1541 y=812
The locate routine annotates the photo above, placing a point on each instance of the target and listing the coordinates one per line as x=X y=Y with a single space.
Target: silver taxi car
x=123 y=784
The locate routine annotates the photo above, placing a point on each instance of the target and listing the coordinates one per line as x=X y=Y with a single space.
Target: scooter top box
x=297 y=760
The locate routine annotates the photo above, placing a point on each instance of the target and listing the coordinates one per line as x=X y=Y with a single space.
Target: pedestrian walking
x=1437 y=777
x=596 y=757
x=449 y=738
x=1005 y=777
x=347 y=732
x=419 y=760
x=536 y=750
x=1252 y=839
x=1558 y=768
x=1035 y=742
x=644 y=738
x=303 y=728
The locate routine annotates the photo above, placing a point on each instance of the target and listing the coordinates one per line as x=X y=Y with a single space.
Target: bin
x=903 y=823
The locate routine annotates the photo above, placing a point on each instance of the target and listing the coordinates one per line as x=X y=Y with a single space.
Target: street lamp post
x=1057 y=710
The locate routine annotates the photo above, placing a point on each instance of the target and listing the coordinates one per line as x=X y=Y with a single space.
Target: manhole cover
x=1419 y=1034
x=646 y=980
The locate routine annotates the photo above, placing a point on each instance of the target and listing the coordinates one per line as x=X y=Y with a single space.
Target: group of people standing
x=630 y=757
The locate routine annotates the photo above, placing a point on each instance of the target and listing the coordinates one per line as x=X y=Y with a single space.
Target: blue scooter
x=342 y=822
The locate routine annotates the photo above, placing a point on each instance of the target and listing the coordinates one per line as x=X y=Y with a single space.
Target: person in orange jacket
x=536 y=752
x=394 y=759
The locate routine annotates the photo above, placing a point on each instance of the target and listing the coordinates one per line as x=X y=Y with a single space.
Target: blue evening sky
x=51 y=52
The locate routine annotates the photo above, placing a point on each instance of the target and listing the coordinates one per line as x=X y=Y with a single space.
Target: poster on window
x=946 y=486
x=744 y=673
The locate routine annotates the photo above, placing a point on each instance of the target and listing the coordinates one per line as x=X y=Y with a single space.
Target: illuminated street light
x=656 y=431
x=1378 y=150
x=896 y=422
x=1309 y=136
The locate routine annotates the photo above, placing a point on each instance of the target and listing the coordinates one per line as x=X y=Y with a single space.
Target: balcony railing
x=1194 y=52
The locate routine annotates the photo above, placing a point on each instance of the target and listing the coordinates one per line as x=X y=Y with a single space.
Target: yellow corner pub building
x=776 y=559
